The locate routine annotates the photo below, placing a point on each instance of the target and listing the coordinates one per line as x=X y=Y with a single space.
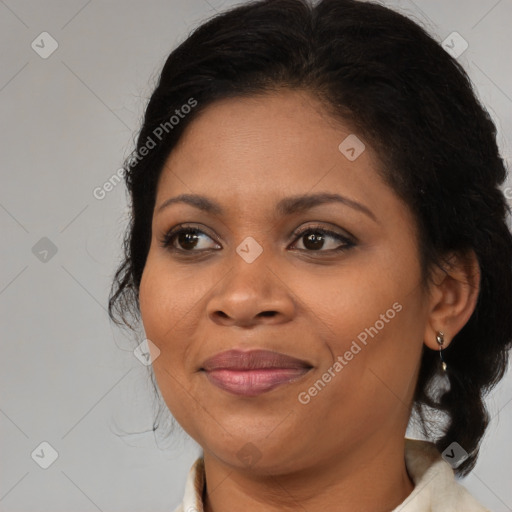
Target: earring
x=440 y=341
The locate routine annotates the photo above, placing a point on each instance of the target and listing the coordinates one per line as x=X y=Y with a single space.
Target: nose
x=252 y=294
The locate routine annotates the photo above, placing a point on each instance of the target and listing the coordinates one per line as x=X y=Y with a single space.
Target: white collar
x=435 y=487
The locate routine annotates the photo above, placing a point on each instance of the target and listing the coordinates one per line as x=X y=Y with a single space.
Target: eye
x=188 y=238
x=314 y=239
x=192 y=239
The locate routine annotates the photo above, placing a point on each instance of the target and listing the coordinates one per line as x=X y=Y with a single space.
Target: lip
x=252 y=372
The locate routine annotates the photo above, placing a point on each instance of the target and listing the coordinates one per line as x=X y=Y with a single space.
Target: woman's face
x=355 y=317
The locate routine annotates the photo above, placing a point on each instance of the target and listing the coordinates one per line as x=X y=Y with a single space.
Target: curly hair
x=381 y=73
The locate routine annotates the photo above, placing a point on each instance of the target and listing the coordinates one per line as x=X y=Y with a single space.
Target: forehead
x=251 y=151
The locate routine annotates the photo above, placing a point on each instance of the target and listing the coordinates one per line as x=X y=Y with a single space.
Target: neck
x=366 y=478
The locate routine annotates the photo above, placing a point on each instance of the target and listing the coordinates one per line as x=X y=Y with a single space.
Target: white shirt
x=435 y=487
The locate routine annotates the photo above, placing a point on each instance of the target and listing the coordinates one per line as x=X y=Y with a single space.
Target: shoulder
x=192 y=501
x=436 y=489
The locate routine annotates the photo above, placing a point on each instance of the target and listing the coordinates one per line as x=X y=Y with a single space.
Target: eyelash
x=167 y=240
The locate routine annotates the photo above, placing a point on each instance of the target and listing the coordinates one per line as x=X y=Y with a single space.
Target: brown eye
x=315 y=239
x=188 y=239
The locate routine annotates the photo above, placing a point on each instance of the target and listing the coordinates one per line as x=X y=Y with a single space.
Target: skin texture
x=344 y=449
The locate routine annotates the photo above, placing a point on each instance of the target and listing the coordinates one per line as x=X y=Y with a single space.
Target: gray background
x=68 y=121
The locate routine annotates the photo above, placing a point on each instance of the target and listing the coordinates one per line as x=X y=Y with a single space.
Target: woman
x=319 y=254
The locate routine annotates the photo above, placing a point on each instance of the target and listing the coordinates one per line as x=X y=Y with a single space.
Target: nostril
x=268 y=313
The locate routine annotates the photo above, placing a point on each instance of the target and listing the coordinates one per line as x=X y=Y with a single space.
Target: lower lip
x=253 y=382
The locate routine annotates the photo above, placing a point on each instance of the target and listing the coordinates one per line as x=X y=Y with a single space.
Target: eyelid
x=335 y=231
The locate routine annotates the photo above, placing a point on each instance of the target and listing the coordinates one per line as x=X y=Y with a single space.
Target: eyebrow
x=286 y=206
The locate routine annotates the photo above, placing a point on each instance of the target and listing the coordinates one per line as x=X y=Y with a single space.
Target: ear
x=454 y=290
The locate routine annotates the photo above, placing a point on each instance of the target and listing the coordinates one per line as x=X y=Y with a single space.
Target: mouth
x=251 y=373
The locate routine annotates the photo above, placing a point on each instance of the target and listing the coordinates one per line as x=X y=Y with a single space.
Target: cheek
x=165 y=299
x=347 y=302
x=163 y=306
x=371 y=318
x=173 y=303
x=164 y=302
